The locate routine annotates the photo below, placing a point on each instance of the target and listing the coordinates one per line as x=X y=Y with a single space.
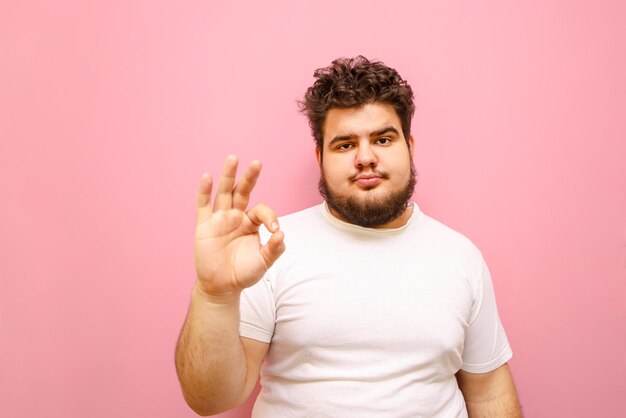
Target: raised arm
x=216 y=368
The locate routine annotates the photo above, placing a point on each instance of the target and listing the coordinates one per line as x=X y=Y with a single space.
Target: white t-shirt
x=371 y=322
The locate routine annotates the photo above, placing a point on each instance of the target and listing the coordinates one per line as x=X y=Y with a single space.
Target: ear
x=318 y=155
x=411 y=146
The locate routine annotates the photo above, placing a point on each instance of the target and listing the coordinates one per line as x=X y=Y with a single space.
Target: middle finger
x=224 y=193
x=241 y=195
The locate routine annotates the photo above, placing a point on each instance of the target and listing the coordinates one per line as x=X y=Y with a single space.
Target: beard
x=370 y=212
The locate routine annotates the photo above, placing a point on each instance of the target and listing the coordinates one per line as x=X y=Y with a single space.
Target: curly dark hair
x=354 y=82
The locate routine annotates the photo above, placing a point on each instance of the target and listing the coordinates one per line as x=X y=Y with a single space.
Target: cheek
x=400 y=170
x=332 y=177
x=335 y=168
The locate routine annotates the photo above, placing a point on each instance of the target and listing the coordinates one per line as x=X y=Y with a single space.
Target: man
x=373 y=310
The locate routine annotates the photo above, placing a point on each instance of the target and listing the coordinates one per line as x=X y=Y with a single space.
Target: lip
x=368 y=180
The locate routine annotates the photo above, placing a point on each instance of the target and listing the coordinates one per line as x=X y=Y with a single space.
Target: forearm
x=210 y=359
x=505 y=405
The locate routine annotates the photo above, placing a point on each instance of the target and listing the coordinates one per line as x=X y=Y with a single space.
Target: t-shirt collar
x=346 y=225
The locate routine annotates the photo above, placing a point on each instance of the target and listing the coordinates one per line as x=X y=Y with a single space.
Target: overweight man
x=361 y=306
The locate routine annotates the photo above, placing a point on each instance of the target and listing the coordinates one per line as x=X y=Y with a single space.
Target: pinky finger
x=204 y=191
x=204 y=195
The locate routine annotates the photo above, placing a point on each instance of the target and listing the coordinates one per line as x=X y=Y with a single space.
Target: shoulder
x=446 y=238
x=456 y=250
x=453 y=248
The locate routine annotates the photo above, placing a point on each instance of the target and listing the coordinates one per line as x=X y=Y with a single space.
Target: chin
x=374 y=192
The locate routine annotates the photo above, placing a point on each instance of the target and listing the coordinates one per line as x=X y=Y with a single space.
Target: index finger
x=262 y=214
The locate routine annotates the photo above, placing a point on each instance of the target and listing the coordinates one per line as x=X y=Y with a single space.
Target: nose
x=365 y=156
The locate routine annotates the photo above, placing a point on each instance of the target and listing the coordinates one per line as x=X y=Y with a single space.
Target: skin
x=356 y=144
x=217 y=368
x=490 y=394
x=359 y=143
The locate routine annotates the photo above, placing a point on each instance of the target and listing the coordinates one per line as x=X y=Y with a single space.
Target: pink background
x=111 y=110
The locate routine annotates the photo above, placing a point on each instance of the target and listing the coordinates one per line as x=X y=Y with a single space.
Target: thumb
x=273 y=248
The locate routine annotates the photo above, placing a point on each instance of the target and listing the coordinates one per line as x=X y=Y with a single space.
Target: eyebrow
x=384 y=131
x=373 y=134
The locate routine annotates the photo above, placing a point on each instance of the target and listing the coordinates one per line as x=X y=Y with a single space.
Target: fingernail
x=274 y=226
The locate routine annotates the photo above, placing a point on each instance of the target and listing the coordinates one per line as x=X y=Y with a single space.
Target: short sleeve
x=257 y=311
x=486 y=345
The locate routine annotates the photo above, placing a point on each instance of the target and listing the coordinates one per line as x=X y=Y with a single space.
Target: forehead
x=360 y=121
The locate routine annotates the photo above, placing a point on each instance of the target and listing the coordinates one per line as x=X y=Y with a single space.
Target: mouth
x=368 y=180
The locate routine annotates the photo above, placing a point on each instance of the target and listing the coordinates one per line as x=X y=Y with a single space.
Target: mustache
x=381 y=174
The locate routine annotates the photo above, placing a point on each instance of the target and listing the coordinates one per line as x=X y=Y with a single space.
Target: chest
x=404 y=302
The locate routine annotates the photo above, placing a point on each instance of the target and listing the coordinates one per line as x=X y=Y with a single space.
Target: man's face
x=367 y=167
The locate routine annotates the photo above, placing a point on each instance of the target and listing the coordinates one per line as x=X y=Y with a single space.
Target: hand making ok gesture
x=228 y=252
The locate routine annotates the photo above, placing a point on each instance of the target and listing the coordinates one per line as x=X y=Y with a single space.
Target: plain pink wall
x=111 y=110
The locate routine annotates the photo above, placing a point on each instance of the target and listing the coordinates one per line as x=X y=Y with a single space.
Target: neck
x=398 y=222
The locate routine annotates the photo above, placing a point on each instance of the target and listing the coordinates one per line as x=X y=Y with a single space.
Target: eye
x=384 y=140
x=345 y=146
